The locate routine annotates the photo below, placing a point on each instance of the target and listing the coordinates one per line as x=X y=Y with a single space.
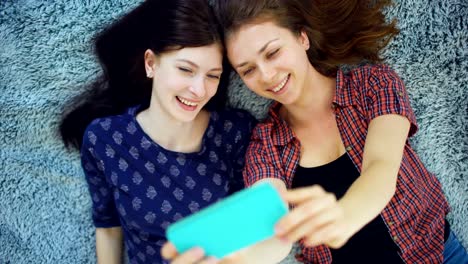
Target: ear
x=304 y=40
x=151 y=60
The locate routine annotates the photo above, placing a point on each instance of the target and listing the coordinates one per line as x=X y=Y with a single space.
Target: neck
x=172 y=134
x=315 y=101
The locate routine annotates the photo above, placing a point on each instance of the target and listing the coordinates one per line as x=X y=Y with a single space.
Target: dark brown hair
x=159 y=25
x=340 y=31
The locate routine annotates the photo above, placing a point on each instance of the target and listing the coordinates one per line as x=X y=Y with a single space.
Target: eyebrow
x=196 y=66
x=259 y=52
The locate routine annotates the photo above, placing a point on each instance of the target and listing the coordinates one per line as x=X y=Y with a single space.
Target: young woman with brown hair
x=336 y=142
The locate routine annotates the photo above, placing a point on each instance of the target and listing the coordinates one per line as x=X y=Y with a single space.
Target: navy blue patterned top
x=138 y=185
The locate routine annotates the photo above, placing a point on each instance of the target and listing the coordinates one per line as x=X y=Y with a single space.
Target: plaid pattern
x=415 y=215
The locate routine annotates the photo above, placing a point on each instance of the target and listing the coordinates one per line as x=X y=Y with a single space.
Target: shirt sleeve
x=386 y=94
x=259 y=163
x=104 y=211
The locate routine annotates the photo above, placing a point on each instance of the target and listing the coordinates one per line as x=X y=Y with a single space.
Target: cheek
x=299 y=60
x=176 y=84
x=251 y=83
x=160 y=81
x=212 y=88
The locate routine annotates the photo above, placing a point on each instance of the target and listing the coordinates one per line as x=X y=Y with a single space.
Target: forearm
x=369 y=194
x=382 y=156
x=109 y=245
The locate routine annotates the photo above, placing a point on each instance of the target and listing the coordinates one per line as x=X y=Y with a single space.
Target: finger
x=194 y=255
x=304 y=211
x=299 y=195
x=338 y=242
x=278 y=184
x=327 y=234
x=313 y=225
x=282 y=193
x=168 y=251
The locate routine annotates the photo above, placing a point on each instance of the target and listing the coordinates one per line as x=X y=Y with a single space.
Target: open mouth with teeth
x=187 y=105
x=281 y=85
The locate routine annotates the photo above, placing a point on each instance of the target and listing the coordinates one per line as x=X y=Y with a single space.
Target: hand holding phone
x=241 y=220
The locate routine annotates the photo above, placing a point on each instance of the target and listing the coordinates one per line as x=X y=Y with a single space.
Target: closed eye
x=247 y=72
x=186 y=70
x=272 y=54
x=212 y=76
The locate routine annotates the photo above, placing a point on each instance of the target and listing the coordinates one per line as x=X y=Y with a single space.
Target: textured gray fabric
x=45 y=59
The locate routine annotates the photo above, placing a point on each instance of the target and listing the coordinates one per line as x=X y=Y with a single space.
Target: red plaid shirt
x=415 y=215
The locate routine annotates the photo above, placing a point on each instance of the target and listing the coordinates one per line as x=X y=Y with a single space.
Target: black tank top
x=373 y=243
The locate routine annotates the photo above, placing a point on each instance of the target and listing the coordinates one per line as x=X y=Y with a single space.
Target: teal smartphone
x=241 y=220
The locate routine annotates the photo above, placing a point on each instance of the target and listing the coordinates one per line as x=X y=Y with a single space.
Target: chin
x=187 y=117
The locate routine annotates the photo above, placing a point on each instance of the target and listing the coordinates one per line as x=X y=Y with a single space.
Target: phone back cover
x=238 y=221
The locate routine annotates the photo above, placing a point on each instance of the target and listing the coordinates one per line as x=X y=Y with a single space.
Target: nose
x=198 y=87
x=267 y=73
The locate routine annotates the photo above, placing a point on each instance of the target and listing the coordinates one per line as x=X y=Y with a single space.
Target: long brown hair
x=340 y=31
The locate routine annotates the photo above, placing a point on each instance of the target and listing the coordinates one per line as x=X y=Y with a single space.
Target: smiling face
x=271 y=60
x=184 y=80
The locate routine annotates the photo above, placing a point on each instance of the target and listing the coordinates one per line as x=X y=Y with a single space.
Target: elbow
x=391 y=187
x=391 y=191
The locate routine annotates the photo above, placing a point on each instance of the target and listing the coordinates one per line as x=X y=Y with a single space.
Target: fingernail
x=284 y=239
x=198 y=252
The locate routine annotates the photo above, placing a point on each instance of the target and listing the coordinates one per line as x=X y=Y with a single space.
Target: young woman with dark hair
x=336 y=142
x=157 y=142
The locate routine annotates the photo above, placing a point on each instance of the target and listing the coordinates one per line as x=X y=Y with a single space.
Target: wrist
x=350 y=220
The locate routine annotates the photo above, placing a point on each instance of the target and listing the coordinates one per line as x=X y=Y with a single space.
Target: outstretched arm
x=321 y=219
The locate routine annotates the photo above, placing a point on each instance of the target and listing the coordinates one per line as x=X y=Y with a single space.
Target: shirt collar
x=281 y=133
x=344 y=90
